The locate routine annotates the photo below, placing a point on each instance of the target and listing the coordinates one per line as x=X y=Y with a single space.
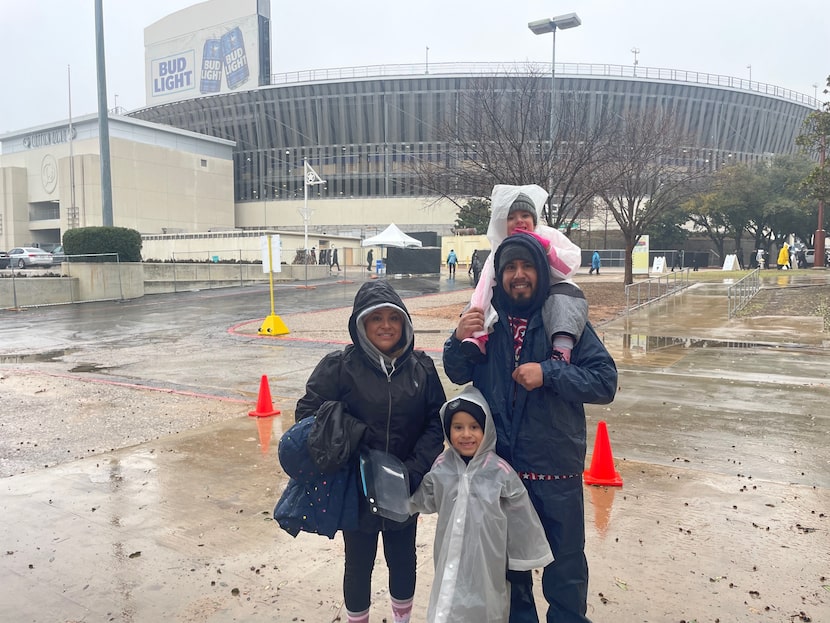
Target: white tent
x=391 y=237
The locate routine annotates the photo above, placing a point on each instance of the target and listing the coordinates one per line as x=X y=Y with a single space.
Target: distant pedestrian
x=475 y=267
x=678 y=260
x=759 y=258
x=334 y=261
x=802 y=258
x=596 y=263
x=452 y=260
x=370 y=260
x=784 y=257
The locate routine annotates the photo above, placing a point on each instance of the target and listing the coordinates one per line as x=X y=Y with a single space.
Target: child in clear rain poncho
x=517 y=208
x=486 y=522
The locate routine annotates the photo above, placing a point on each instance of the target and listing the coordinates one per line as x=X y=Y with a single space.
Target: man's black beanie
x=512 y=250
x=521 y=246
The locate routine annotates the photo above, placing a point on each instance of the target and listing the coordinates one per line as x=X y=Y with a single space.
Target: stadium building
x=359 y=128
x=208 y=74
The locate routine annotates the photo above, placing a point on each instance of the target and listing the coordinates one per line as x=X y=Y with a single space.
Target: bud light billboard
x=204 y=50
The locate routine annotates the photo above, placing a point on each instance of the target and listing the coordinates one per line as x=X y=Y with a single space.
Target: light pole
x=542 y=27
x=818 y=241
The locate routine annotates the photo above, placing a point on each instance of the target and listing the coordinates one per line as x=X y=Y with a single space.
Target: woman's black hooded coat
x=398 y=398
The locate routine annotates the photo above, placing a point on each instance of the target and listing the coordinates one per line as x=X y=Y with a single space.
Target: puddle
x=602 y=500
x=650 y=343
x=265 y=430
x=89 y=367
x=53 y=355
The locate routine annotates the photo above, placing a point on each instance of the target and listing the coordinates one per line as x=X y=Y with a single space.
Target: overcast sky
x=786 y=44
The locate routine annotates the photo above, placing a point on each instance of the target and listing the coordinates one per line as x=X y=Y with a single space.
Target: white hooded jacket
x=501 y=199
x=486 y=525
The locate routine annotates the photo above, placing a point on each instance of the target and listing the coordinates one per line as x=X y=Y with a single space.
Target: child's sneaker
x=474 y=348
x=558 y=355
x=562 y=345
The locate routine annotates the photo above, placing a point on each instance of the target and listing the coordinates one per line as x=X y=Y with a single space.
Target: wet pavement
x=137 y=488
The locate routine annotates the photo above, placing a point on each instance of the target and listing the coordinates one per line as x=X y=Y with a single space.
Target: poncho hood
x=502 y=198
x=488 y=443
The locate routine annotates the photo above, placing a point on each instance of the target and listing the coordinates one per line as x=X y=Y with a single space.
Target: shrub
x=95 y=240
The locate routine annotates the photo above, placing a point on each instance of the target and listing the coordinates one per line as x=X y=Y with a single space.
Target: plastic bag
x=385 y=482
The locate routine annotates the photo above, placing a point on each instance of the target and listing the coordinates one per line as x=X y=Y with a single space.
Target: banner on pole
x=270 y=258
x=311 y=177
x=639 y=256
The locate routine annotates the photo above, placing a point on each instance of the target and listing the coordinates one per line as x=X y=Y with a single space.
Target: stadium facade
x=360 y=127
x=222 y=143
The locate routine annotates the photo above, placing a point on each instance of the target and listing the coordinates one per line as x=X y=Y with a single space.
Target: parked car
x=58 y=255
x=810 y=254
x=24 y=257
x=5 y=262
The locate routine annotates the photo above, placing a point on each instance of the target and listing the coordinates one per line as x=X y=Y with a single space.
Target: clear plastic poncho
x=486 y=525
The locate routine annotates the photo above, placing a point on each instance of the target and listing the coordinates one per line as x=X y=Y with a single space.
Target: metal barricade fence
x=644 y=292
x=740 y=293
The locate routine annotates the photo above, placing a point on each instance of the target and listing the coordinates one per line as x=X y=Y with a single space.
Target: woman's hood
x=470 y=393
x=371 y=296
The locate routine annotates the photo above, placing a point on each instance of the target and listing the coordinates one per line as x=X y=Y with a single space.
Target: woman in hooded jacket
x=396 y=391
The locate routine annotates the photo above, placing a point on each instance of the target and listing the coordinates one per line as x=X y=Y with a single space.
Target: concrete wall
x=245 y=246
x=107 y=281
x=34 y=291
x=367 y=216
x=14 y=207
x=96 y=282
x=179 y=277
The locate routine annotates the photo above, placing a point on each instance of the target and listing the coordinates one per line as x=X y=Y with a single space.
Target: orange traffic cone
x=602 y=470
x=264 y=406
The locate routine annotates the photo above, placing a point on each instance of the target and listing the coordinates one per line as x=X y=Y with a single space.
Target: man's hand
x=529 y=375
x=471 y=321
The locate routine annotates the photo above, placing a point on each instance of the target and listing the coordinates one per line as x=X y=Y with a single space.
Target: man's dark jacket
x=540 y=431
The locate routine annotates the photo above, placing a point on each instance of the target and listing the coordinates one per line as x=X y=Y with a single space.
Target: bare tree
x=644 y=174
x=499 y=133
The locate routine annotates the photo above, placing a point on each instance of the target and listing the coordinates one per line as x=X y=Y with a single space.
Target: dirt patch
x=800 y=300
